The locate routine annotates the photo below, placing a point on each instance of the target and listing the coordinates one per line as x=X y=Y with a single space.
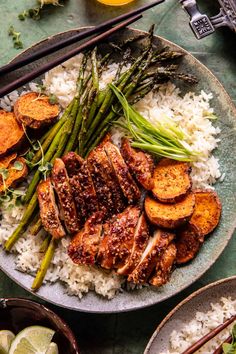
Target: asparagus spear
x=27 y=217
x=37 y=226
x=44 y=265
x=45 y=244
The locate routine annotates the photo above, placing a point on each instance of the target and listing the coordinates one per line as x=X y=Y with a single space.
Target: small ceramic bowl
x=17 y=314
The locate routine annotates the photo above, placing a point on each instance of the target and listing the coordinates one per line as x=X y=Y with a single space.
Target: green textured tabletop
x=126 y=332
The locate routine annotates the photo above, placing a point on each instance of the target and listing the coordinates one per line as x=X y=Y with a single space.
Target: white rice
x=190 y=112
x=203 y=322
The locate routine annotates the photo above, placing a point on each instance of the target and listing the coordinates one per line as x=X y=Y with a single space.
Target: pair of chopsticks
x=201 y=342
x=118 y=23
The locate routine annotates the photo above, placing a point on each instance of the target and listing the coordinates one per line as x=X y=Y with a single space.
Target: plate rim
x=229 y=232
x=182 y=303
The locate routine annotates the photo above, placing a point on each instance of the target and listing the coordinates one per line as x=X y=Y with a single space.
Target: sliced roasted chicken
x=164 y=266
x=156 y=245
x=84 y=246
x=126 y=181
x=84 y=192
x=73 y=163
x=141 y=164
x=63 y=189
x=117 y=243
x=108 y=190
x=141 y=237
x=104 y=257
x=48 y=209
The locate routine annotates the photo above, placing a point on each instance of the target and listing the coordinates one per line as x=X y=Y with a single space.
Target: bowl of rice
x=193 y=108
x=194 y=317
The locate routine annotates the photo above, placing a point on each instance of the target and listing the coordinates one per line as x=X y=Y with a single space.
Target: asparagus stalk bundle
x=88 y=118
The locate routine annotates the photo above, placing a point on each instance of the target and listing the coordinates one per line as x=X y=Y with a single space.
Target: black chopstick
x=209 y=336
x=60 y=59
x=75 y=38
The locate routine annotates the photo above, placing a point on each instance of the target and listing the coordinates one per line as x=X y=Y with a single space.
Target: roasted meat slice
x=84 y=246
x=141 y=164
x=84 y=192
x=126 y=181
x=73 y=163
x=156 y=245
x=164 y=266
x=62 y=186
x=48 y=209
x=108 y=191
x=117 y=243
x=141 y=237
x=104 y=257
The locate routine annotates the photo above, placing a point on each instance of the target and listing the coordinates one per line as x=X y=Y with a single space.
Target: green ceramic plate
x=215 y=244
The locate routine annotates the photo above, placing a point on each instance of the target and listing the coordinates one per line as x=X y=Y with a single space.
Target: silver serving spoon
x=202 y=25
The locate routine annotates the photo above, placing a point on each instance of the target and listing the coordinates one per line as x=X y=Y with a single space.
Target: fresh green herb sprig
x=36 y=12
x=162 y=139
x=230 y=348
x=15 y=37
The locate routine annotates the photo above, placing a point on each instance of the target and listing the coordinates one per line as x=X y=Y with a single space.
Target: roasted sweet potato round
x=187 y=243
x=170 y=216
x=172 y=180
x=11 y=132
x=16 y=171
x=35 y=111
x=6 y=160
x=206 y=215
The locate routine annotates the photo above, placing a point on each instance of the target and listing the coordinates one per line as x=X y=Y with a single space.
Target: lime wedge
x=32 y=340
x=52 y=349
x=6 y=337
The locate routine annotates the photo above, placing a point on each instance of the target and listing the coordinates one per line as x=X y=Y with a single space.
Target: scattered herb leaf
x=18 y=165
x=22 y=16
x=4 y=173
x=53 y=99
x=15 y=37
x=36 y=146
x=41 y=88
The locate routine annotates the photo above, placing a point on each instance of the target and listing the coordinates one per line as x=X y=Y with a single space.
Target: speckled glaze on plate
x=215 y=244
x=17 y=314
x=185 y=311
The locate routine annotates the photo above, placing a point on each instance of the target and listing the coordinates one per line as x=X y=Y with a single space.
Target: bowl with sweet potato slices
x=116 y=221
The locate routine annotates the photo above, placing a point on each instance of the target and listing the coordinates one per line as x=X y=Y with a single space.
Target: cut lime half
x=6 y=338
x=52 y=349
x=32 y=340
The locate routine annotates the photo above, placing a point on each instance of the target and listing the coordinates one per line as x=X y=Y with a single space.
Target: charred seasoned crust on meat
x=73 y=163
x=84 y=246
x=62 y=187
x=164 y=266
x=141 y=237
x=48 y=209
x=156 y=245
x=141 y=164
x=126 y=181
